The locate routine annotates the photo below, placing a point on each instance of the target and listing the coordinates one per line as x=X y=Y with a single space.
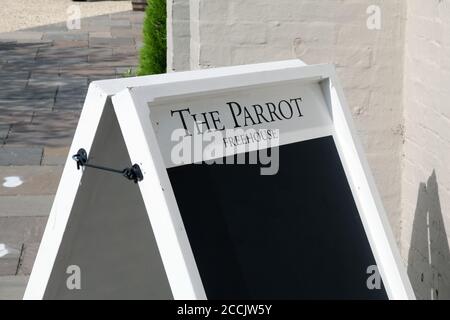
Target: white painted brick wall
x=426 y=174
x=178 y=35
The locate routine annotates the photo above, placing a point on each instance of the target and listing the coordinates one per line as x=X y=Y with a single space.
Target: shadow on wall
x=429 y=253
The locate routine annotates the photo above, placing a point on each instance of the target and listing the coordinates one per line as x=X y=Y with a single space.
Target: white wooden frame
x=130 y=99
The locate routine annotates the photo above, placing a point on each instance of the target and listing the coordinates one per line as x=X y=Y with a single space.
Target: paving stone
x=137 y=34
x=103 y=52
x=75 y=92
x=125 y=50
x=125 y=15
x=26 y=105
x=55 y=70
x=137 y=17
x=68 y=79
x=88 y=71
x=100 y=42
x=123 y=28
x=95 y=27
x=73 y=60
x=29 y=180
x=73 y=84
x=121 y=23
x=38 y=77
x=65 y=35
x=63 y=52
x=12 y=116
x=4 y=129
x=100 y=34
x=13 y=287
x=43 y=81
x=69 y=104
x=117 y=61
x=24 y=44
x=55 y=156
x=137 y=26
x=53 y=134
x=7 y=44
x=21 y=35
x=69 y=118
x=98 y=23
x=29 y=253
x=25 y=206
x=15 y=75
x=120 y=32
x=29 y=94
x=98 y=54
x=22 y=229
x=51 y=27
x=9 y=258
x=25 y=62
x=15 y=67
x=123 y=41
x=42 y=91
x=71 y=97
x=22 y=48
x=35 y=43
x=19 y=156
x=12 y=84
x=70 y=94
x=45 y=63
x=19 y=55
x=61 y=79
x=64 y=44
x=70 y=100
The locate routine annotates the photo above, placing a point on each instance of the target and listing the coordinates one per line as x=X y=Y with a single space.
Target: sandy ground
x=23 y=14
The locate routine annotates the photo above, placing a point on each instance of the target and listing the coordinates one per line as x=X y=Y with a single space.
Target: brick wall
x=178 y=35
x=426 y=154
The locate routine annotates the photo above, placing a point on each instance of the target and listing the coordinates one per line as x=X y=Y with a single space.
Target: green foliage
x=153 y=53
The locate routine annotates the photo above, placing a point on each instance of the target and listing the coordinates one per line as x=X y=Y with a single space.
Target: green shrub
x=153 y=53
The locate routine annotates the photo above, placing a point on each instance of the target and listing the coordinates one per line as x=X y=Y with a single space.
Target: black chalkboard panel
x=294 y=235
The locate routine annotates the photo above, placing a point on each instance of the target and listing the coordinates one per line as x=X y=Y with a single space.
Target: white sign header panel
x=295 y=110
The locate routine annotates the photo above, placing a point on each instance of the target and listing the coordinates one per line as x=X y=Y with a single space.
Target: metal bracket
x=132 y=173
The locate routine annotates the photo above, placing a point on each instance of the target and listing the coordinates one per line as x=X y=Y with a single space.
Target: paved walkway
x=44 y=76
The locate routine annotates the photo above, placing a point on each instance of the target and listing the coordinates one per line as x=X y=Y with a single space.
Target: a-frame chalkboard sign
x=244 y=182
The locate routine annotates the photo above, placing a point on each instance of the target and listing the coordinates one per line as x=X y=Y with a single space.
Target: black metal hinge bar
x=132 y=173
